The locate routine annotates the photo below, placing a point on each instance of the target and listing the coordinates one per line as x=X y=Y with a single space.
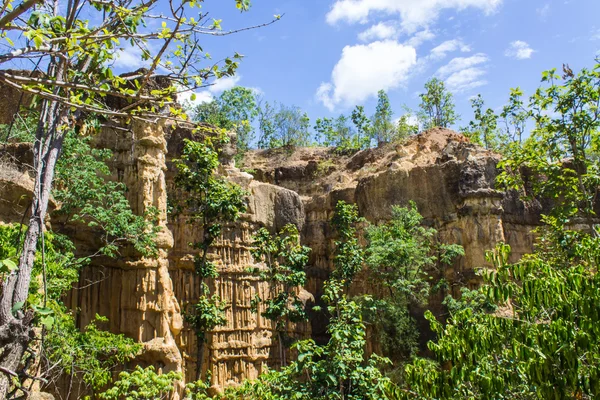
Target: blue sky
x=326 y=56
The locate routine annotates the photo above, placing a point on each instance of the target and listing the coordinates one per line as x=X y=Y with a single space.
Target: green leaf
x=17 y=306
x=10 y=264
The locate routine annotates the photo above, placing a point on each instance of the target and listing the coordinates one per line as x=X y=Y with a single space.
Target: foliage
x=210 y=201
x=282 y=126
x=334 y=371
x=21 y=128
x=401 y=256
x=437 y=105
x=542 y=340
x=349 y=254
x=234 y=110
x=544 y=345
x=338 y=133
x=383 y=128
x=483 y=129
x=73 y=47
x=198 y=390
x=363 y=126
x=86 y=196
x=206 y=314
x=142 y=384
x=405 y=127
x=285 y=261
x=516 y=115
x=90 y=355
x=561 y=147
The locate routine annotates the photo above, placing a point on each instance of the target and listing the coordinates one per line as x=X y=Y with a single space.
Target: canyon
x=451 y=181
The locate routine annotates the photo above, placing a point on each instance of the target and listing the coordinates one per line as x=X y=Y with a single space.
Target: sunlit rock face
x=451 y=181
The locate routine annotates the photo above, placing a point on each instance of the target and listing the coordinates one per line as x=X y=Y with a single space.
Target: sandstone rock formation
x=451 y=181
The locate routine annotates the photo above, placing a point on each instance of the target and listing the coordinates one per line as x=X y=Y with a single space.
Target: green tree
x=234 y=110
x=543 y=346
x=72 y=47
x=338 y=133
x=266 y=124
x=89 y=355
x=282 y=126
x=363 y=126
x=437 y=105
x=515 y=115
x=285 y=262
x=383 y=128
x=208 y=200
x=142 y=384
x=562 y=147
x=541 y=342
x=483 y=129
x=338 y=369
x=349 y=254
x=86 y=196
x=406 y=125
x=402 y=257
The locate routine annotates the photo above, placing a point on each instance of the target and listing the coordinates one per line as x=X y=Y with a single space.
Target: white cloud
x=207 y=95
x=464 y=73
x=595 y=35
x=449 y=46
x=364 y=69
x=420 y=37
x=381 y=31
x=413 y=14
x=465 y=79
x=185 y=98
x=460 y=63
x=543 y=11
x=519 y=50
x=223 y=84
x=130 y=59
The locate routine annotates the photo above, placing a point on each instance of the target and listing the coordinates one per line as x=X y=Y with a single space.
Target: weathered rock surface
x=451 y=181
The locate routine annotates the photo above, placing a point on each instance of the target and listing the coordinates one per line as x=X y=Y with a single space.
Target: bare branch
x=17 y=11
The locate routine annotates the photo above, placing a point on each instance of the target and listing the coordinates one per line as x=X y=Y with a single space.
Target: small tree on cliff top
x=72 y=79
x=437 y=105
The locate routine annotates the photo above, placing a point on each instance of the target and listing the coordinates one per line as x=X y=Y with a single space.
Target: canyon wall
x=450 y=180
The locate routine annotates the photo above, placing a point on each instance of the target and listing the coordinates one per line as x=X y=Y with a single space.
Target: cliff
x=451 y=180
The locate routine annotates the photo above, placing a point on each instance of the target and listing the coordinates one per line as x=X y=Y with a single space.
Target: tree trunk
x=16 y=330
x=200 y=356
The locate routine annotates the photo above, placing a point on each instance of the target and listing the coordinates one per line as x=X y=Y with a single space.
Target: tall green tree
x=483 y=129
x=541 y=343
x=515 y=114
x=234 y=110
x=363 y=126
x=283 y=126
x=437 y=105
x=383 y=128
x=402 y=257
x=338 y=133
x=285 y=261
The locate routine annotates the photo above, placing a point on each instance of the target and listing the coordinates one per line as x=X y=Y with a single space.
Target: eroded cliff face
x=451 y=181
